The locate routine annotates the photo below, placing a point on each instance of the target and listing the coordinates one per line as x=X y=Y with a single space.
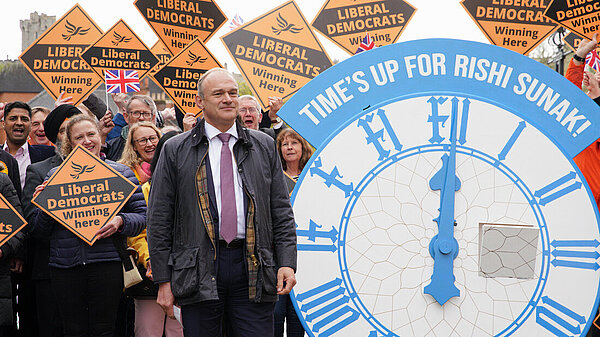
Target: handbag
x=131 y=275
x=146 y=289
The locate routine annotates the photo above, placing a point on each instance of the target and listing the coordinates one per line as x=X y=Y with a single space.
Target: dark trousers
x=88 y=298
x=47 y=310
x=245 y=318
x=284 y=310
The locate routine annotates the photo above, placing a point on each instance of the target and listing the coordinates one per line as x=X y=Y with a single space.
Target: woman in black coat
x=8 y=250
x=88 y=280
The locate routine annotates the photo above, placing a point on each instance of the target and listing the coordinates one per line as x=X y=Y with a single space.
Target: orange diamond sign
x=179 y=77
x=11 y=221
x=346 y=22
x=178 y=23
x=84 y=193
x=277 y=52
x=54 y=58
x=516 y=25
x=119 y=48
x=162 y=54
x=578 y=16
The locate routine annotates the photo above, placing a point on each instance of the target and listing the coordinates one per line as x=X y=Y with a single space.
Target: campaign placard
x=179 y=77
x=277 y=52
x=54 y=58
x=119 y=48
x=162 y=54
x=84 y=194
x=346 y=22
x=516 y=25
x=573 y=40
x=11 y=221
x=578 y=16
x=179 y=22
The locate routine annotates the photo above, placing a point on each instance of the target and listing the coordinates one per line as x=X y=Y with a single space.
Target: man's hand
x=166 y=299
x=62 y=100
x=285 y=275
x=189 y=121
x=586 y=46
x=110 y=228
x=120 y=100
x=105 y=125
x=168 y=114
x=275 y=103
x=16 y=265
x=591 y=82
x=39 y=188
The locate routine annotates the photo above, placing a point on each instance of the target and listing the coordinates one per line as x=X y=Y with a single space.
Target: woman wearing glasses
x=150 y=320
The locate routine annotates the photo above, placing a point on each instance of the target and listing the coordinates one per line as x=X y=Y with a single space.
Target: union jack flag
x=118 y=81
x=236 y=22
x=367 y=43
x=592 y=60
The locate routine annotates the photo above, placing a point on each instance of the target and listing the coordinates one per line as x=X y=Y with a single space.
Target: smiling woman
x=88 y=279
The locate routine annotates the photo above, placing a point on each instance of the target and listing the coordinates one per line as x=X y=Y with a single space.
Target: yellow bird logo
x=73 y=30
x=193 y=59
x=119 y=38
x=284 y=26
x=79 y=170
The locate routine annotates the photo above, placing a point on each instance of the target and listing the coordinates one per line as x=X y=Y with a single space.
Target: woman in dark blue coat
x=88 y=280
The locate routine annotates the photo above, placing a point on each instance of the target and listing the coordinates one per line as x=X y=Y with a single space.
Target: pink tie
x=228 y=208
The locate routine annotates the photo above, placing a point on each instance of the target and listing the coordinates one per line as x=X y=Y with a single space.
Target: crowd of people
x=206 y=237
x=210 y=223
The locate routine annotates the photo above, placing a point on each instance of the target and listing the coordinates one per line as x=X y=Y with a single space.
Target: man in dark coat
x=17 y=125
x=219 y=259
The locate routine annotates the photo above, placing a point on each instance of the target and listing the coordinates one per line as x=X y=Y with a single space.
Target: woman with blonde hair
x=88 y=280
x=150 y=319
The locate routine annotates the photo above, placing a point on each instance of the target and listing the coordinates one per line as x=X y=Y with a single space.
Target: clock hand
x=444 y=247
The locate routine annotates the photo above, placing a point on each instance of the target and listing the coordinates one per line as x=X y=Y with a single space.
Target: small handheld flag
x=236 y=22
x=120 y=81
x=593 y=60
x=367 y=43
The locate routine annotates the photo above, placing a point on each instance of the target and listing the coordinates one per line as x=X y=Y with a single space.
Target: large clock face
x=444 y=215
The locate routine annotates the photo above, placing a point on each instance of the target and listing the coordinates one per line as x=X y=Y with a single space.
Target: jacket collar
x=199 y=134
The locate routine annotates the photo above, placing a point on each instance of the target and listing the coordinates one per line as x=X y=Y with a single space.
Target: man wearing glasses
x=138 y=108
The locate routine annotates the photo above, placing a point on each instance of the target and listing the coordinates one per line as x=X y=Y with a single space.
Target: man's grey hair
x=250 y=98
x=144 y=99
x=205 y=75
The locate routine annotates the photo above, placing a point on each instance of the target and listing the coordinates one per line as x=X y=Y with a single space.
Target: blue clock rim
x=398 y=98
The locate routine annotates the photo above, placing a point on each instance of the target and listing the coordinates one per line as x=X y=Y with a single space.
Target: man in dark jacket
x=17 y=125
x=220 y=221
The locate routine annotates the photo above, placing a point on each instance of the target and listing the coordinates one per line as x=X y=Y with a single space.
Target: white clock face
x=364 y=251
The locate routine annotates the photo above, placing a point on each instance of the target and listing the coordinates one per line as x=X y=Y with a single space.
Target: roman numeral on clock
x=581 y=254
x=377 y=137
x=438 y=120
x=331 y=178
x=312 y=234
x=327 y=308
x=558 y=319
x=558 y=188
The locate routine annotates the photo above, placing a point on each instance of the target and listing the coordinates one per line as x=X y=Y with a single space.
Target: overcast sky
x=433 y=18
